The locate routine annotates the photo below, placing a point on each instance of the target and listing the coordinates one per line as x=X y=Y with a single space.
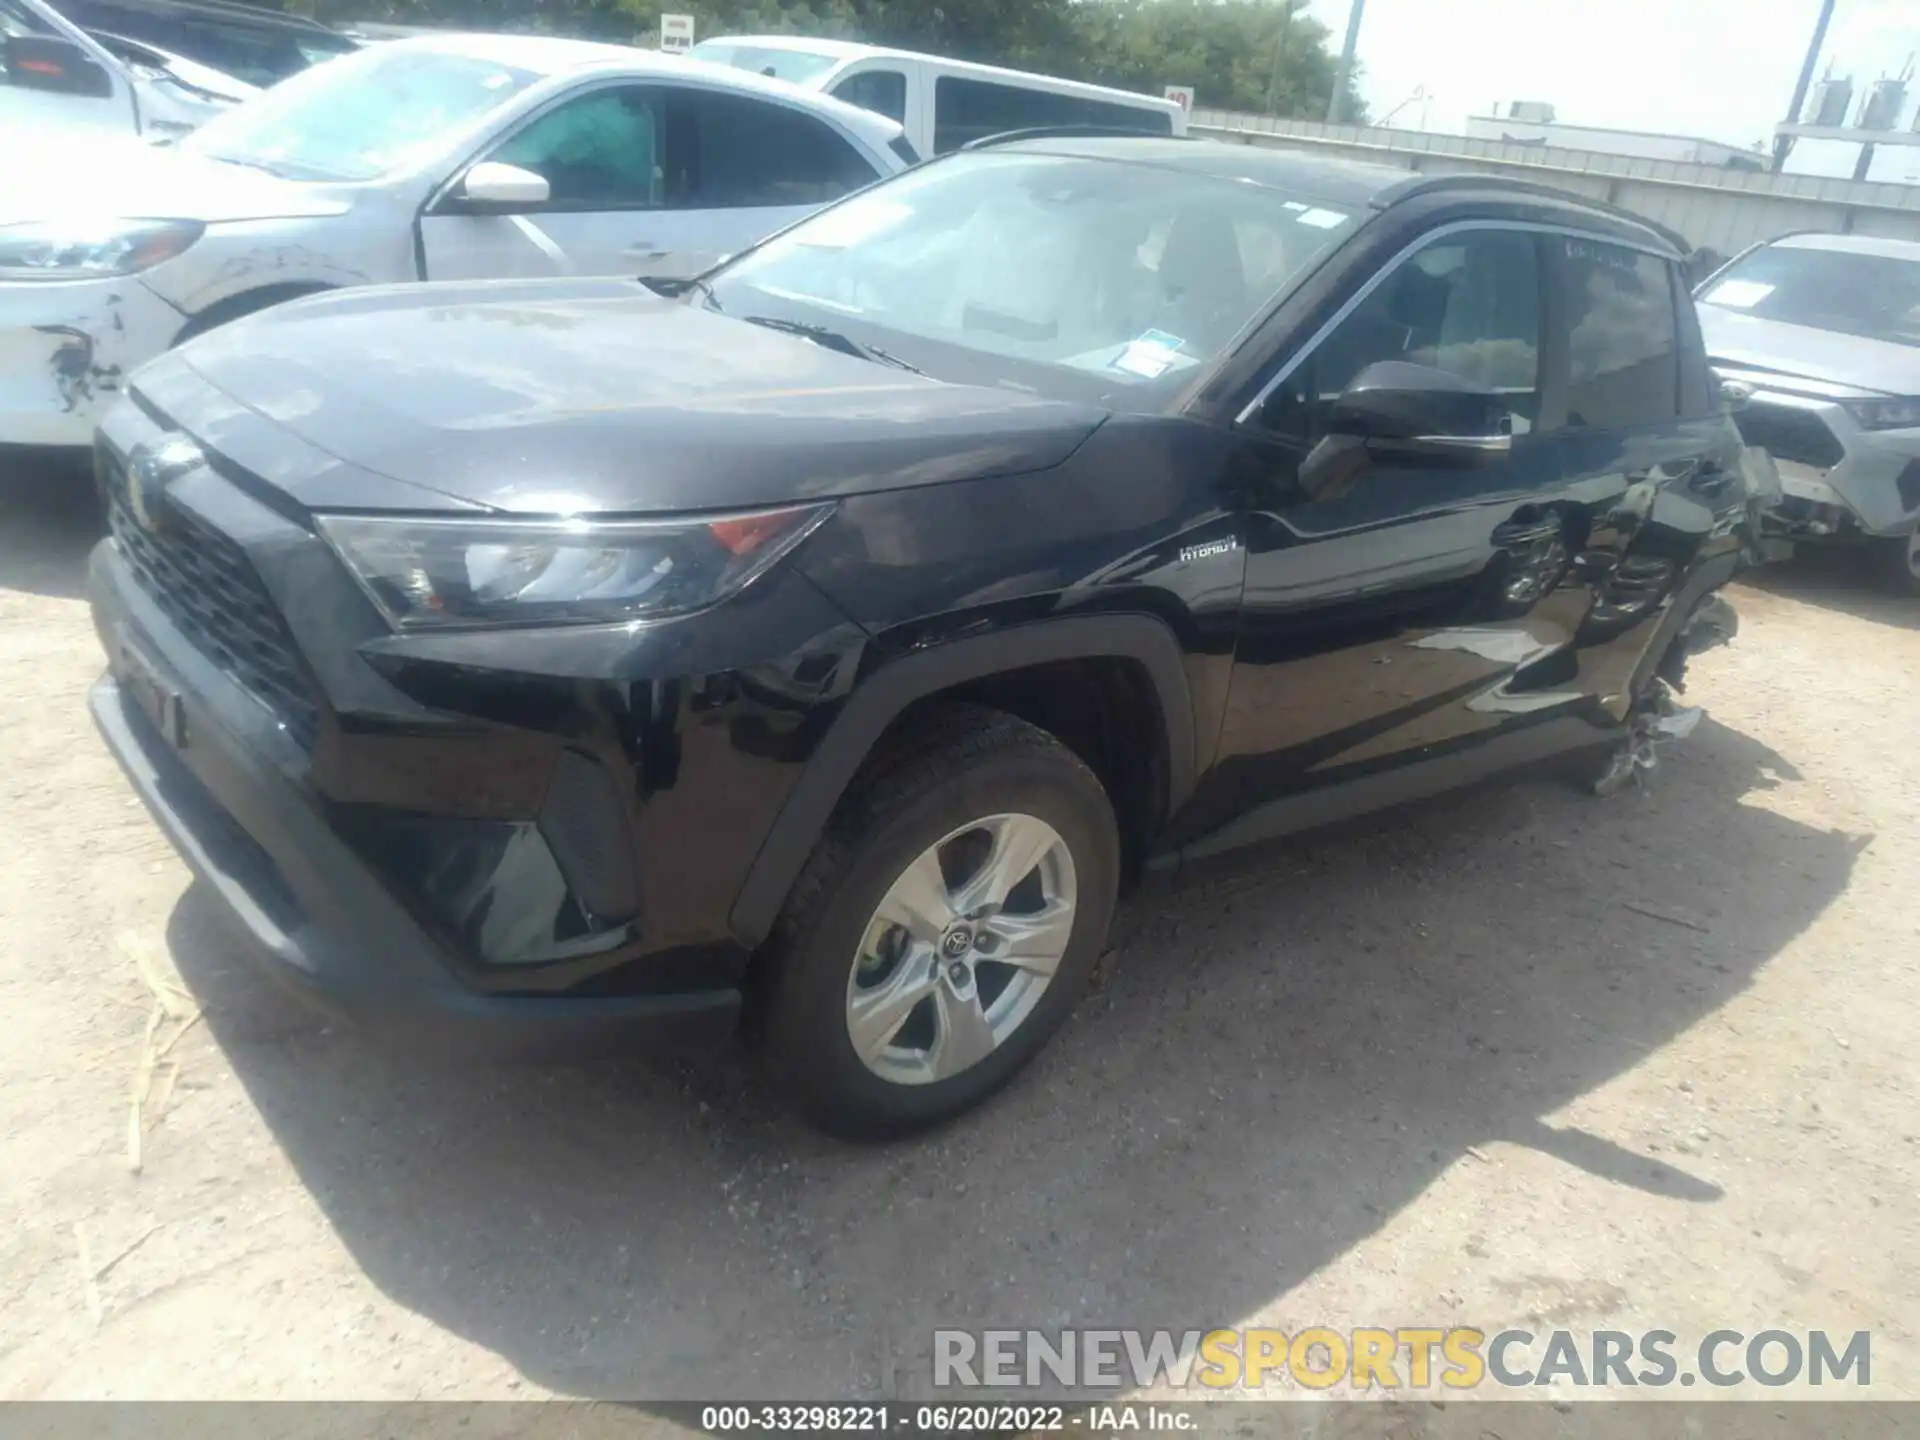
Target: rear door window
x=967 y=110
x=1622 y=346
x=882 y=91
x=731 y=151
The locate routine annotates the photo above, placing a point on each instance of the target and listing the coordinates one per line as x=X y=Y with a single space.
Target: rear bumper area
x=323 y=921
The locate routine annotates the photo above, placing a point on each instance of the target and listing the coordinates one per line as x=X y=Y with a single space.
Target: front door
x=1420 y=608
x=659 y=180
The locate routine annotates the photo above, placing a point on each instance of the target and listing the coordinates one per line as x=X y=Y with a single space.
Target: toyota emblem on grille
x=151 y=468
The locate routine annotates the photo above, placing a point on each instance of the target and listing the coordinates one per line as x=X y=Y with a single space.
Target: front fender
x=233 y=259
x=885 y=694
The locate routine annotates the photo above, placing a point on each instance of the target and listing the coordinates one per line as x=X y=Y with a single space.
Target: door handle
x=644 y=250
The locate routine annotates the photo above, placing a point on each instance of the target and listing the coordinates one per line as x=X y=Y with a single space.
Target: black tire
x=962 y=763
x=1899 y=563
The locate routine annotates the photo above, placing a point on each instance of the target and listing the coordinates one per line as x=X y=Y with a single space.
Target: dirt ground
x=1518 y=1058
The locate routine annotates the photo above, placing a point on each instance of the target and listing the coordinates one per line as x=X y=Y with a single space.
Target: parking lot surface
x=1518 y=1058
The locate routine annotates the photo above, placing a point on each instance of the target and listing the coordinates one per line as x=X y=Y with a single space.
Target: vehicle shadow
x=49 y=520
x=1837 y=579
x=1270 y=1065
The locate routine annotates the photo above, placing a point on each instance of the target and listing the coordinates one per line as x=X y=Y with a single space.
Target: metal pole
x=1784 y=143
x=1279 y=57
x=1337 y=105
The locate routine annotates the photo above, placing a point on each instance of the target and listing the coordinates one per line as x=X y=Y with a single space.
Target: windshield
x=362 y=115
x=1125 y=271
x=1874 y=296
x=796 y=67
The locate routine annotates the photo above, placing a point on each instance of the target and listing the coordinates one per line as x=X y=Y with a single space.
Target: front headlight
x=49 y=250
x=1896 y=412
x=433 y=572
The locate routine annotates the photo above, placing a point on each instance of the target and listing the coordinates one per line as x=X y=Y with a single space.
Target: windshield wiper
x=834 y=340
x=675 y=288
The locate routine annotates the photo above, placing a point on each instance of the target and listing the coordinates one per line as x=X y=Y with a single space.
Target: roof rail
x=236 y=10
x=1415 y=185
x=1067 y=132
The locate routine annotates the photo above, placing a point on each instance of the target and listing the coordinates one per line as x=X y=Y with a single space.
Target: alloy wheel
x=961 y=948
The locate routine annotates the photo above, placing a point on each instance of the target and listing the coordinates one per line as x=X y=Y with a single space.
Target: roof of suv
x=1352 y=184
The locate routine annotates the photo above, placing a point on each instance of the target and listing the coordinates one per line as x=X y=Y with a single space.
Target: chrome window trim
x=1414 y=247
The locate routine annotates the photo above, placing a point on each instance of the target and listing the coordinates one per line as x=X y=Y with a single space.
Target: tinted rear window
x=967 y=110
x=1623 y=350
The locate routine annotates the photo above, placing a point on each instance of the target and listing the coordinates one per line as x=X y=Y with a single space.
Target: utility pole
x=1279 y=57
x=1784 y=143
x=1337 y=106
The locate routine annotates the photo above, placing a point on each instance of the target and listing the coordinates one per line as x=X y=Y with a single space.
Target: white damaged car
x=442 y=158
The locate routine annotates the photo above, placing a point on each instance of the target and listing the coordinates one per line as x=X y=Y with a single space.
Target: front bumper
x=1837 y=478
x=66 y=348
x=323 y=921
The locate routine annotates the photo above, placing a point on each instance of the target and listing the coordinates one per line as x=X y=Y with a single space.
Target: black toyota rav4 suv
x=820 y=646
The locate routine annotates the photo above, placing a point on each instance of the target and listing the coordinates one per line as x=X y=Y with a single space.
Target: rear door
x=647 y=179
x=1651 y=459
x=1422 y=610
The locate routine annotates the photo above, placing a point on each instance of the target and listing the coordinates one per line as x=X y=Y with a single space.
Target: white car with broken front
x=443 y=158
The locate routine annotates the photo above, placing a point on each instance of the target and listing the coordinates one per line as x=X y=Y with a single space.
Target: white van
x=941 y=103
x=55 y=78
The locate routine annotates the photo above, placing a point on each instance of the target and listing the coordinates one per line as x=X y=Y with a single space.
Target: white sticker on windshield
x=1320 y=219
x=494 y=82
x=1738 y=294
x=851 y=223
x=1150 y=356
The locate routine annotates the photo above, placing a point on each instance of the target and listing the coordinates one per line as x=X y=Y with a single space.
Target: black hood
x=545 y=396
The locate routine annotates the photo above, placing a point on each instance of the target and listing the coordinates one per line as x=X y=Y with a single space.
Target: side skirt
x=1345 y=800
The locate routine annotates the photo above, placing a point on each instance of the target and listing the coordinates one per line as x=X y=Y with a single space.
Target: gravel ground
x=1517 y=1058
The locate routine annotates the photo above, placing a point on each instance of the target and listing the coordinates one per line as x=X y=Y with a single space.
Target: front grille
x=1789 y=433
x=206 y=585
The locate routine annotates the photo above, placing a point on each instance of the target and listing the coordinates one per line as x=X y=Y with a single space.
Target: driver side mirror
x=1396 y=407
x=48 y=62
x=493 y=188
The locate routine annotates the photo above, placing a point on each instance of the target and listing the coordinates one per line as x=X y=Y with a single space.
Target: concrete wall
x=1725 y=210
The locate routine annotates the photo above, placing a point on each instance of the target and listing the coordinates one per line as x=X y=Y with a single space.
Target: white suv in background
x=943 y=103
x=1820 y=337
x=449 y=157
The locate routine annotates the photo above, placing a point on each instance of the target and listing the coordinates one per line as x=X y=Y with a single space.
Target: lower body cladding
x=65 y=350
x=550 y=865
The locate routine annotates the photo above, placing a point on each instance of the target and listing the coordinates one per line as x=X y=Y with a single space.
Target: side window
x=598 y=152
x=967 y=110
x=1622 y=353
x=729 y=152
x=882 y=91
x=1468 y=304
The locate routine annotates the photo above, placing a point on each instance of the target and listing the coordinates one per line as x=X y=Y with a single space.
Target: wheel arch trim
x=882 y=697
